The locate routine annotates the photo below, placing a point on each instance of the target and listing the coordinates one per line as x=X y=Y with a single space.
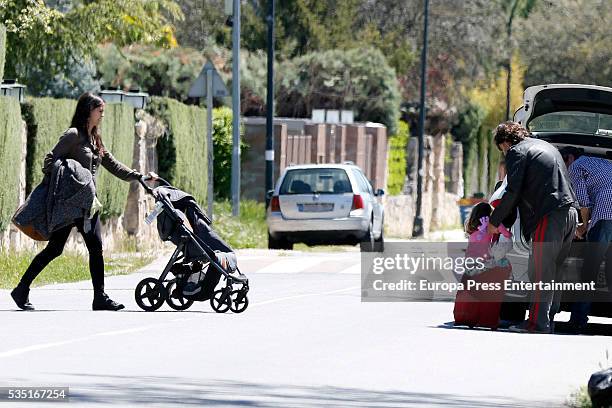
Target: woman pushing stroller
x=66 y=198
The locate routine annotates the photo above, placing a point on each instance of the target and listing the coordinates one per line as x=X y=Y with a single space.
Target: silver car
x=325 y=204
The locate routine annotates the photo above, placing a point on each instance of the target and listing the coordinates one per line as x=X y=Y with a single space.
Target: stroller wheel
x=150 y=294
x=175 y=298
x=221 y=301
x=240 y=301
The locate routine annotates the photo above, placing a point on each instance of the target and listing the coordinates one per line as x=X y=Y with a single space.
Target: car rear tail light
x=275 y=204
x=357 y=202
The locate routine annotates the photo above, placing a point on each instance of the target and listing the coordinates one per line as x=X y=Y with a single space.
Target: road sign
x=209 y=79
x=199 y=89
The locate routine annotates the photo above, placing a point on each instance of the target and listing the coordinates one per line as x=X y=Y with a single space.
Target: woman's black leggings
x=55 y=247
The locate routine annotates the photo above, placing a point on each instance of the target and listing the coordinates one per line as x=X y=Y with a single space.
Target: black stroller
x=199 y=262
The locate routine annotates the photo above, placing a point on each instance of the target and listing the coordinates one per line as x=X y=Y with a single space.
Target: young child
x=480 y=307
x=482 y=244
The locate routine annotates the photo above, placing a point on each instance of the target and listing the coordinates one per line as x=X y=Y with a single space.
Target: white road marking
x=134 y=330
x=352 y=270
x=304 y=295
x=291 y=265
x=36 y=347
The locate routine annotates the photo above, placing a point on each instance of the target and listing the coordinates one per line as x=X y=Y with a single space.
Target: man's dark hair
x=571 y=150
x=510 y=132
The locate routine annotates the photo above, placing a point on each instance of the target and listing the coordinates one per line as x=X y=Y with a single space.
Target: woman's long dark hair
x=86 y=104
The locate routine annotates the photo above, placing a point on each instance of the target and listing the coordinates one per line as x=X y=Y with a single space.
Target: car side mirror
x=379 y=193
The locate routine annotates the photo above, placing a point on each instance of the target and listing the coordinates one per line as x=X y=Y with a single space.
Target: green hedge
x=181 y=151
x=47 y=119
x=10 y=151
x=118 y=136
x=397 y=158
x=2 y=49
x=222 y=150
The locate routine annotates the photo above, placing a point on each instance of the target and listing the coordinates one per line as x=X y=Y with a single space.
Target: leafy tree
x=567 y=41
x=44 y=42
x=512 y=10
x=204 y=24
x=476 y=122
x=158 y=71
x=358 y=79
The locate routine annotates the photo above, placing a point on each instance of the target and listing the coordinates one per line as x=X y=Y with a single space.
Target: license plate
x=315 y=207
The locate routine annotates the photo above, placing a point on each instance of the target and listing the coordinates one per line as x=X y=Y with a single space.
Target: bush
x=397 y=158
x=489 y=97
x=78 y=78
x=182 y=150
x=253 y=83
x=2 y=49
x=158 y=71
x=222 y=151
x=466 y=130
x=249 y=230
x=118 y=135
x=47 y=119
x=357 y=79
x=10 y=151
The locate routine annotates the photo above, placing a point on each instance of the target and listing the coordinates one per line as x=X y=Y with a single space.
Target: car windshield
x=574 y=122
x=316 y=180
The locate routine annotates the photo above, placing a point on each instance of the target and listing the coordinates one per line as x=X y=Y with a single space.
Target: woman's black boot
x=21 y=297
x=103 y=302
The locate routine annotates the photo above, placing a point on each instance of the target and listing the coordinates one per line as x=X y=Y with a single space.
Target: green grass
x=249 y=230
x=324 y=248
x=69 y=267
x=580 y=399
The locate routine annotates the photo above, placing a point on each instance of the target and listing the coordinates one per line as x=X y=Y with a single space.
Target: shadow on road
x=561 y=328
x=172 y=391
x=118 y=312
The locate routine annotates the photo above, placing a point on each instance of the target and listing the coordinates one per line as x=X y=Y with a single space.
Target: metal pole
x=209 y=140
x=270 y=104
x=236 y=110
x=418 y=219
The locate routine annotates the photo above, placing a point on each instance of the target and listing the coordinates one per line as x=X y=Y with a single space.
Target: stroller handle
x=142 y=180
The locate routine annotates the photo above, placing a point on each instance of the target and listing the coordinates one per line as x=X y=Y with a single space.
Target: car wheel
x=379 y=243
x=274 y=243
x=280 y=243
x=367 y=244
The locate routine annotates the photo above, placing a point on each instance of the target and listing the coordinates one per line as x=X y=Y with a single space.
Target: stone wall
x=12 y=239
x=441 y=185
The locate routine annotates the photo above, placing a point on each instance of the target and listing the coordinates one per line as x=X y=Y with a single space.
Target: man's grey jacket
x=61 y=198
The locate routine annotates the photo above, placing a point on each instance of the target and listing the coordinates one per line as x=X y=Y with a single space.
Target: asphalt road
x=305 y=340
